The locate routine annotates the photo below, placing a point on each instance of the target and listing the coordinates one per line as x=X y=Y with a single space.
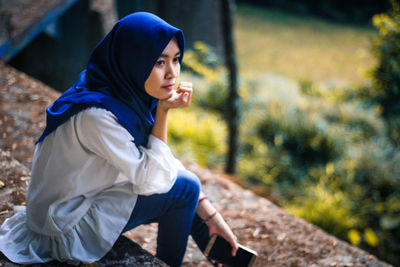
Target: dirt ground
x=279 y=238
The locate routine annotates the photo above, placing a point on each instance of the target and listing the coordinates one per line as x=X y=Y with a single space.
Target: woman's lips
x=169 y=86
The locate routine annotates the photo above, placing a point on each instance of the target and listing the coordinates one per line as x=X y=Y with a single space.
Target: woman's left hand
x=217 y=225
x=180 y=98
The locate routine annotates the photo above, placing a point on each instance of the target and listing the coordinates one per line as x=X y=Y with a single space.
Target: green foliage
x=330 y=162
x=300 y=135
x=198 y=136
x=268 y=166
x=330 y=209
x=386 y=76
x=203 y=61
x=370 y=175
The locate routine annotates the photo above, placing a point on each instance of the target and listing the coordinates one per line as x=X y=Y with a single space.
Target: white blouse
x=86 y=176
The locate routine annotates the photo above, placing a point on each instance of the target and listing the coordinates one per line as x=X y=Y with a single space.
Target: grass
x=301 y=47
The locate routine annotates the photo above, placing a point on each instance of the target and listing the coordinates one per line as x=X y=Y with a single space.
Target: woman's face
x=162 y=78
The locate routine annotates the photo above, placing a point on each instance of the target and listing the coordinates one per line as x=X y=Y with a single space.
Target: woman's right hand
x=180 y=98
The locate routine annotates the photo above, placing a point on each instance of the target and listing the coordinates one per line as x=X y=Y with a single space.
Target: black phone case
x=220 y=250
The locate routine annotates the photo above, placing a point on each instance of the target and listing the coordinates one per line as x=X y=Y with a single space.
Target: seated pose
x=102 y=165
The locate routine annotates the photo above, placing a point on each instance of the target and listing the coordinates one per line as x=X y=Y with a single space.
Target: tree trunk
x=233 y=98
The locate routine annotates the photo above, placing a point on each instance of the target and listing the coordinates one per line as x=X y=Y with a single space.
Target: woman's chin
x=166 y=95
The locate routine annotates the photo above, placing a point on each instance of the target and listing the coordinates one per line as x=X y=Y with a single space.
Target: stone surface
x=14 y=176
x=125 y=252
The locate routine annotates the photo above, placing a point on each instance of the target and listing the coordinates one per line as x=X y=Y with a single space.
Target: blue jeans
x=175 y=212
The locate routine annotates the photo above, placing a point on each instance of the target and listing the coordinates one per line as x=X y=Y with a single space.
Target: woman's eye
x=160 y=62
x=177 y=59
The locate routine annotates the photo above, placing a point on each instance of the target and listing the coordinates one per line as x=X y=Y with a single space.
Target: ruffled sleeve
x=152 y=169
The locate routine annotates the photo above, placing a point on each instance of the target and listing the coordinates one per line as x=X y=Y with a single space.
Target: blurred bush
x=328 y=157
x=326 y=207
x=198 y=135
x=304 y=137
x=386 y=76
x=330 y=162
x=204 y=62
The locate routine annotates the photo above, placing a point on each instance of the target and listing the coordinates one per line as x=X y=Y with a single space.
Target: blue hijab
x=115 y=75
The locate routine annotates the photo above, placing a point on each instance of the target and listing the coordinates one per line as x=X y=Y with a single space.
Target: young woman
x=102 y=165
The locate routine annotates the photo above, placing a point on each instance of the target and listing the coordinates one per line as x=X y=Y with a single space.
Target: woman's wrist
x=209 y=217
x=205 y=209
x=162 y=108
x=215 y=221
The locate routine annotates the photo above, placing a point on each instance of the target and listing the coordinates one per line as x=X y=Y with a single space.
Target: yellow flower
x=354 y=237
x=200 y=46
x=370 y=237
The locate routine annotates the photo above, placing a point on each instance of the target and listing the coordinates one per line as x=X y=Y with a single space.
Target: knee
x=190 y=182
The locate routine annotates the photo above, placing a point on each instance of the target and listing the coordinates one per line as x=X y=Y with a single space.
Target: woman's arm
x=180 y=98
x=160 y=124
x=99 y=132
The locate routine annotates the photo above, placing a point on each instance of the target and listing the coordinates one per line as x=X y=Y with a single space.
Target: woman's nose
x=172 y=71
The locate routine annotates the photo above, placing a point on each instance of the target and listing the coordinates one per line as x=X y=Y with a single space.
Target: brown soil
x=280 y=238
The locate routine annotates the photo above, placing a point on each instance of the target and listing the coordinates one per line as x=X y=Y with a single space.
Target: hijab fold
x=115 y=75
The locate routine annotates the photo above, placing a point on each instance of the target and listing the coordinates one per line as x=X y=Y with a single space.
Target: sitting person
x=102 y=165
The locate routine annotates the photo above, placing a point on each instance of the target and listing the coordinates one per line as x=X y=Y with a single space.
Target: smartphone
x=220 y=250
